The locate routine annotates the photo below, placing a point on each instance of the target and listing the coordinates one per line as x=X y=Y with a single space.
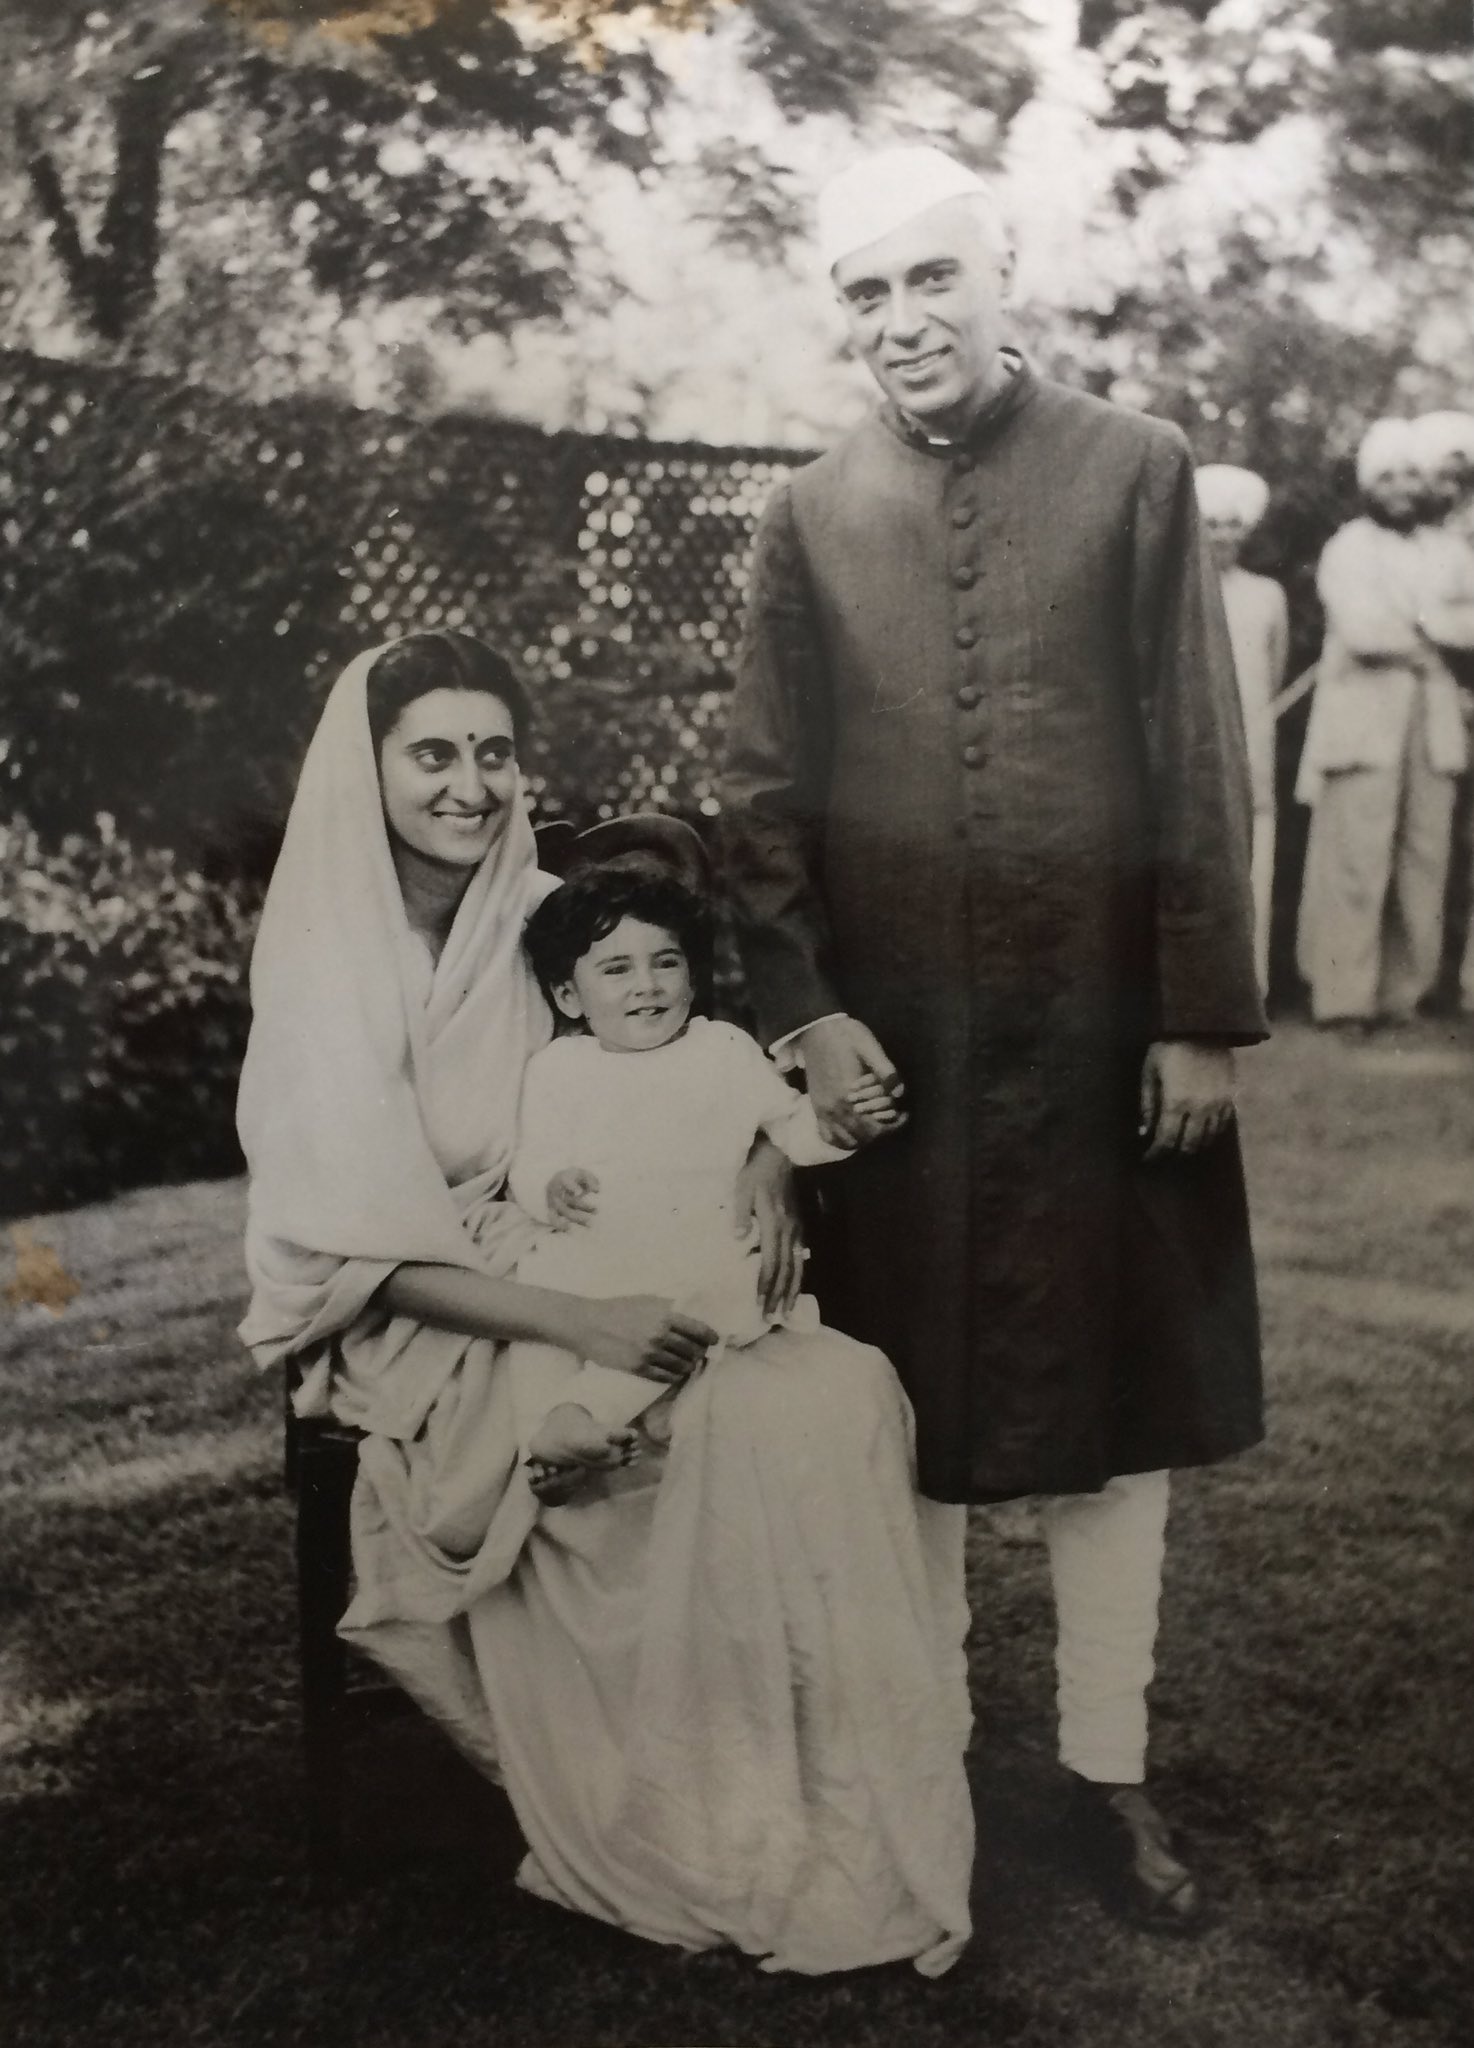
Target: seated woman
x=724 y=1690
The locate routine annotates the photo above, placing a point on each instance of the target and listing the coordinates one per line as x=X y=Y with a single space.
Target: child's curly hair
x=586 y=909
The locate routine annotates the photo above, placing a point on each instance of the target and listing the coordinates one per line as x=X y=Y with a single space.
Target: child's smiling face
x=632 y=988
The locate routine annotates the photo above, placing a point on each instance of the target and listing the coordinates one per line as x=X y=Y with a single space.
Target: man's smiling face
x=924 y=306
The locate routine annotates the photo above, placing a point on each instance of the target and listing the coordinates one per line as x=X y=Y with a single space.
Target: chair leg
x=325 y=1484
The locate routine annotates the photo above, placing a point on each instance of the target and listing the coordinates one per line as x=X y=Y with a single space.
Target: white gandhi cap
x=882 y=192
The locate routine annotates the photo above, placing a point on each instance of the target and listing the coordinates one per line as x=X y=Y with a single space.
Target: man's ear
x=565 y=995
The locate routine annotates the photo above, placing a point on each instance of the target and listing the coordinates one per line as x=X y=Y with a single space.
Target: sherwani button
x=966 y=636
x=964 y=576
x=969 y=696
x=962 y=465
x=963 y=515
x=972 y=756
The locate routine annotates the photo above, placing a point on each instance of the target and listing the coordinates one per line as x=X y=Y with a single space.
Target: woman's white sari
x=727 y=1697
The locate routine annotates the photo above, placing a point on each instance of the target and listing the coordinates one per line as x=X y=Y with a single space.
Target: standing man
x=1232 y=502
x=1384 y=748
x=988 y=835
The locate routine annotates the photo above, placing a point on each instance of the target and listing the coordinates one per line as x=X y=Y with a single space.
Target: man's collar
x=1019 y=385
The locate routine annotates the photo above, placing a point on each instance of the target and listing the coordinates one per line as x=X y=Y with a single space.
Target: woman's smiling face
x=448 y=773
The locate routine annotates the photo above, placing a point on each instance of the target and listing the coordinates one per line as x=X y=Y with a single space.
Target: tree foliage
x=428 y=152
x=1390 y=82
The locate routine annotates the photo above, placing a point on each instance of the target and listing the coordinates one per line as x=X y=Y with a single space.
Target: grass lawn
x=1314 y=1725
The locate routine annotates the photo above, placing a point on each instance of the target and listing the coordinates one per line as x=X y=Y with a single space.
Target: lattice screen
x=611 y=570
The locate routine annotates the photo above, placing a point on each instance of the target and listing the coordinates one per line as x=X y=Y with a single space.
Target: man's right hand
x=644 y=1334
x=843 y=1060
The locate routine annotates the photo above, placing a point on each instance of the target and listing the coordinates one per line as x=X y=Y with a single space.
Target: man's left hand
x=766 y=1196
x=1186 y=1096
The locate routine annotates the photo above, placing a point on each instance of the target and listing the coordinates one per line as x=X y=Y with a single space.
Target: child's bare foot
x=568 y=1447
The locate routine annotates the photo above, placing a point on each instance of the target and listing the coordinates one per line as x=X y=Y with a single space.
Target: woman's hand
x=570 y=1198
x=644 y=1334
x=767 y=1199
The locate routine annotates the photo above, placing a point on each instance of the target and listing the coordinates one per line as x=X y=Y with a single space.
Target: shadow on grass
x=158 y=1821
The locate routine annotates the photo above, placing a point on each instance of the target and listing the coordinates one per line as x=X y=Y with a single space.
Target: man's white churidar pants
x=1105 y=1559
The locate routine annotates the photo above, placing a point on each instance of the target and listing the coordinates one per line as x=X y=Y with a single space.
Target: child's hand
x=876 y=1108
x=570 y=1198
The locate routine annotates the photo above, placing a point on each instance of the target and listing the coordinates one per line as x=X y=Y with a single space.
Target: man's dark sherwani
x=987 y=792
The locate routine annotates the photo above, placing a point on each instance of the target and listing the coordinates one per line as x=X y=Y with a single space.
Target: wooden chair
x=320 y=1466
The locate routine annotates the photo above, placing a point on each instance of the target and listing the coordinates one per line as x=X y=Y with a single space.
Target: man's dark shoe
x=1115 y=1836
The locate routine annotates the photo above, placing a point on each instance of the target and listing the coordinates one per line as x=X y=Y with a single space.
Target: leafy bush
x=123 y=1017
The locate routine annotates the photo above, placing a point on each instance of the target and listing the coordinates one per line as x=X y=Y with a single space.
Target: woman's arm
x=639 y=1333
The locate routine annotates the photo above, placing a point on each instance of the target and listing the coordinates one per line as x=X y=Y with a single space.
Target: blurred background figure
x=1233 y=501
x=1444 y=444
x=1383 y=750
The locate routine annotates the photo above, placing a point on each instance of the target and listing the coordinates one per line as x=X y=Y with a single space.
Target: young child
x=652 y=1110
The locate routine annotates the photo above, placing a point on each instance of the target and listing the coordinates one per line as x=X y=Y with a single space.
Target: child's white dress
x=666 y=1133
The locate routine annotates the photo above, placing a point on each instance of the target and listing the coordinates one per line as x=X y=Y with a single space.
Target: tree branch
x=51 y=197
x=113 y=283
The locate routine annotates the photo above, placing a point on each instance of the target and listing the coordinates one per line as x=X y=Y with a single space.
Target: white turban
x=1226 y=492
x=882 y=192
x=1439 y=435
x=1386 y=443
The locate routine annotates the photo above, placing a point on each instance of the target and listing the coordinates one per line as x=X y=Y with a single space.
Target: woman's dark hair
x=575 y=917
x=421 y=662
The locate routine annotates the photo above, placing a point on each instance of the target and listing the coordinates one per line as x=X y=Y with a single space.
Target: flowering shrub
x=123 y=1017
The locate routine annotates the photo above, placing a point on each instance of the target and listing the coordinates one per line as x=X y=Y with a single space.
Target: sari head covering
x=378 y=1100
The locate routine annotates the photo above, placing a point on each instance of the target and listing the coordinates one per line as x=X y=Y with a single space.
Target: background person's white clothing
x=1259 y=630
x=666 y=1133
x=1261 y=882
x=1383 y=747
x=1371 y=908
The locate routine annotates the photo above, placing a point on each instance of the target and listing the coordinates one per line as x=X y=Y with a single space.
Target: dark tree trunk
x=113 y=282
